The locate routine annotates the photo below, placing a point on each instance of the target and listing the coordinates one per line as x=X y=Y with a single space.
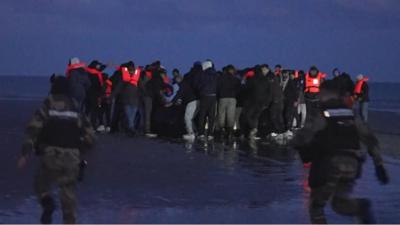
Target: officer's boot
x=366 y=215
x=48 y=206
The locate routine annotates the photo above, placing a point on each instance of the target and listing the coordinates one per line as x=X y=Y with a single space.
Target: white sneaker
x=209 y=137
x=202 y=137
x=108 y=129
x=151 y=135
x=255 y=138
x=273 y=134
x=189 y=137
x=101 y=128
x=289 y=133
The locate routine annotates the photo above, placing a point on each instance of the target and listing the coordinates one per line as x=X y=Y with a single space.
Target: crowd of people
x=203 y=103
x=248 y=103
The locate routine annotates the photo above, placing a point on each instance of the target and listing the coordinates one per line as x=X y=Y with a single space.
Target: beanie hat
x=360 y=77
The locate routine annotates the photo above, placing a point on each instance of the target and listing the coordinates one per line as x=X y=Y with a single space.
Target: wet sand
x=139 y=180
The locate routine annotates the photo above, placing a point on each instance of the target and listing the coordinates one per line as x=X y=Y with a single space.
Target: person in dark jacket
x=206 y=86
x=187 y=97
x=301 y=106
x=290 y=97
x=117 y=115
x=105 y=106
x=128 y=93
x=228 y=88
x=361 y=93
x=146 y=100
x=344 y=82
x=331 y=142
x=277 y=106
x=95 y=92
x=78 y=81
x=257 y=98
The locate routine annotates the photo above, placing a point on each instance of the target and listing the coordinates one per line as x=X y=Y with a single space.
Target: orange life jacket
x=132 y=79
x=313 y=83
x=359 y=85
x=108 y=87
x=97 y=73
x=72 y=67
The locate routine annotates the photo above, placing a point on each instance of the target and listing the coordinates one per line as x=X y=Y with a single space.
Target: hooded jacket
x=228 y=86
x=79 y=84
x=206 y=83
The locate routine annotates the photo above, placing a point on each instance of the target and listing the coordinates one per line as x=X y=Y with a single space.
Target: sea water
x=384 y=97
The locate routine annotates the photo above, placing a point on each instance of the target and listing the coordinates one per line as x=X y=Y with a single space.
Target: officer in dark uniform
x=331 y=142
x=57 y=133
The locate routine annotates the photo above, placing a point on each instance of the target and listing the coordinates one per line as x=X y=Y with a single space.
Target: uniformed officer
x=331 y=142
x=57 y=133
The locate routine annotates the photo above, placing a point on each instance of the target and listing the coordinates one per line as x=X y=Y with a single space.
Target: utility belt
x=359 y=155
x=41 y=149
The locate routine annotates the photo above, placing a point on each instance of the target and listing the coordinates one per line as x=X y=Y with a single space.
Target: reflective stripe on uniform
x=65 y=114
x=338 y=112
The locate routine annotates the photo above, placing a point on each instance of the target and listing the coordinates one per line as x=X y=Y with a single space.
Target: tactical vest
x=61 y=129
x=341 y=134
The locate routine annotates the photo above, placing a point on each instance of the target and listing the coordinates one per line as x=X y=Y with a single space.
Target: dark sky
x=359 y=36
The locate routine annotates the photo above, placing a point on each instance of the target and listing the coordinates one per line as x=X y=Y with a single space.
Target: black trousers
x=289 y=112
x=117 y=116
x=104 y=116
x=276 y=116
x=207 y=110
x=251 y=113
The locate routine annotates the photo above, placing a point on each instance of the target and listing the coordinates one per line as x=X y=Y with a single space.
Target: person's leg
x=303 y=111
x=189 y=115
x=107 y=114
x=148 y=106
x=42 y=186
x=230 y=114
x=130 y=113
x=68 y=203
x=211 y=114
x=277 y=117
x=203 y=107
x=238 y=113
x=318 y=200
x=67 y=179
x=289 y=115
x=364 y=111
x=222 y=110
x=359 y=208
x=116 y=116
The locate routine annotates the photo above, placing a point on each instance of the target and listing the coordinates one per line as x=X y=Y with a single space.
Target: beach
x=140 y=180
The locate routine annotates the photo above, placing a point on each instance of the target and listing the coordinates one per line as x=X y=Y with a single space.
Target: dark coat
x=228 y=86
x=186 y=90
x=124 y=92
x=79 y=84
x=345 y=84
x=206 y=83
x=291 y=92
x=257 y=89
